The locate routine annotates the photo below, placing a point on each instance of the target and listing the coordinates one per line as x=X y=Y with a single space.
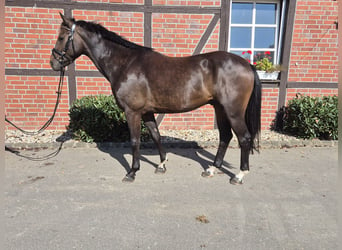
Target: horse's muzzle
x=55 y=65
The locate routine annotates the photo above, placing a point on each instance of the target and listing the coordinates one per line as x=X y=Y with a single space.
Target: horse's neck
x=109 y=58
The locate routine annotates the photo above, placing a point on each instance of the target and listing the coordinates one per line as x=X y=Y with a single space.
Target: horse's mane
x=109 y=35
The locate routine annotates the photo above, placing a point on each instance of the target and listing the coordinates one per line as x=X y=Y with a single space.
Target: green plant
x=262 y=62
x=99 y=119
x=312 y=117
x=264 y=65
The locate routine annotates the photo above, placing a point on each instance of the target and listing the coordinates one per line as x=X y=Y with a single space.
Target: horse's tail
x=253 y=113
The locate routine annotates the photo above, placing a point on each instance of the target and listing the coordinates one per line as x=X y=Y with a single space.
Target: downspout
x=281 y=31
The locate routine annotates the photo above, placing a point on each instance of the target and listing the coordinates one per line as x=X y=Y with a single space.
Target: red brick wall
x=314 y=44
x=179 y=34
x=269 y=106
x=30 y=101
x=202 y=118
x=207 y=3
x=30 y=35
x=291 y=93
x=92 y=86
x=32 y=32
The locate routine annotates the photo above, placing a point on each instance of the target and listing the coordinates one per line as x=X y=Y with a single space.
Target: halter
x=62 y=54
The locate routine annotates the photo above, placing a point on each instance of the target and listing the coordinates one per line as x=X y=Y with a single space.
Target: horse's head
x=68 y=46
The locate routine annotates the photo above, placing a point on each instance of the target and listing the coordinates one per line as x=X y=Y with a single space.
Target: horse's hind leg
x=244 y=137
x=225 y=134
x=151 y=124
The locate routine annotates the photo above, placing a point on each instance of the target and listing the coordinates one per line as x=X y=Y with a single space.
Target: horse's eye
x=60 y=38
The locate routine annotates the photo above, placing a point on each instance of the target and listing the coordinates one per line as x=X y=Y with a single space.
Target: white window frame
x=254 y=25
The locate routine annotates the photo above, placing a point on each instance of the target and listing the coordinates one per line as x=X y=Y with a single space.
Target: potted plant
x=265 y=68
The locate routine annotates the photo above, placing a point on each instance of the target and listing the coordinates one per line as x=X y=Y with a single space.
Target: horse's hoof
x=128 y=179
x=210 y=172
x=235 y=181
x=160 y=170
x=207 y=174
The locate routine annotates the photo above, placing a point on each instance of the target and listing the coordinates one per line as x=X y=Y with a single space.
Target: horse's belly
x=180 y=105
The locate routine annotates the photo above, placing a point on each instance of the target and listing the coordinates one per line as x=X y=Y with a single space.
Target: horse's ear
x=66 y=21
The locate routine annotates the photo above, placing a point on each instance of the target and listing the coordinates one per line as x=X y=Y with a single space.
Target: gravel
x=14 y=136
x=203 y=138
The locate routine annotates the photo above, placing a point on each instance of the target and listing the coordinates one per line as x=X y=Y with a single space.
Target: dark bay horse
x=145 y=82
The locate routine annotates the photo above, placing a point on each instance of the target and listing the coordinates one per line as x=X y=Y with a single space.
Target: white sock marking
x=241 y=174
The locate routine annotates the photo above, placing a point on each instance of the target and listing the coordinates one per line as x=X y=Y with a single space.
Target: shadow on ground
x=172 y=145
x=178 y=147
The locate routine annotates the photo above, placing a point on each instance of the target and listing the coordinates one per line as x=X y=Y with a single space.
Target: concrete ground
x=76 y=200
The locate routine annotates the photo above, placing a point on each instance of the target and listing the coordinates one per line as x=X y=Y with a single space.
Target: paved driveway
x=76 y=200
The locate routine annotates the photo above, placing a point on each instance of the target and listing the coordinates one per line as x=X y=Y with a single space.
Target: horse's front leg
x=133 y=120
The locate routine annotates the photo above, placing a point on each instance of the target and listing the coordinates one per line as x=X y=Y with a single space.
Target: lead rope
x=41 y=158
x=56 y=152
x=47 y=124
x=59 y=93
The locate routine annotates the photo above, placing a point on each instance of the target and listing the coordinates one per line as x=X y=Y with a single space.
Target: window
x=254 y=27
